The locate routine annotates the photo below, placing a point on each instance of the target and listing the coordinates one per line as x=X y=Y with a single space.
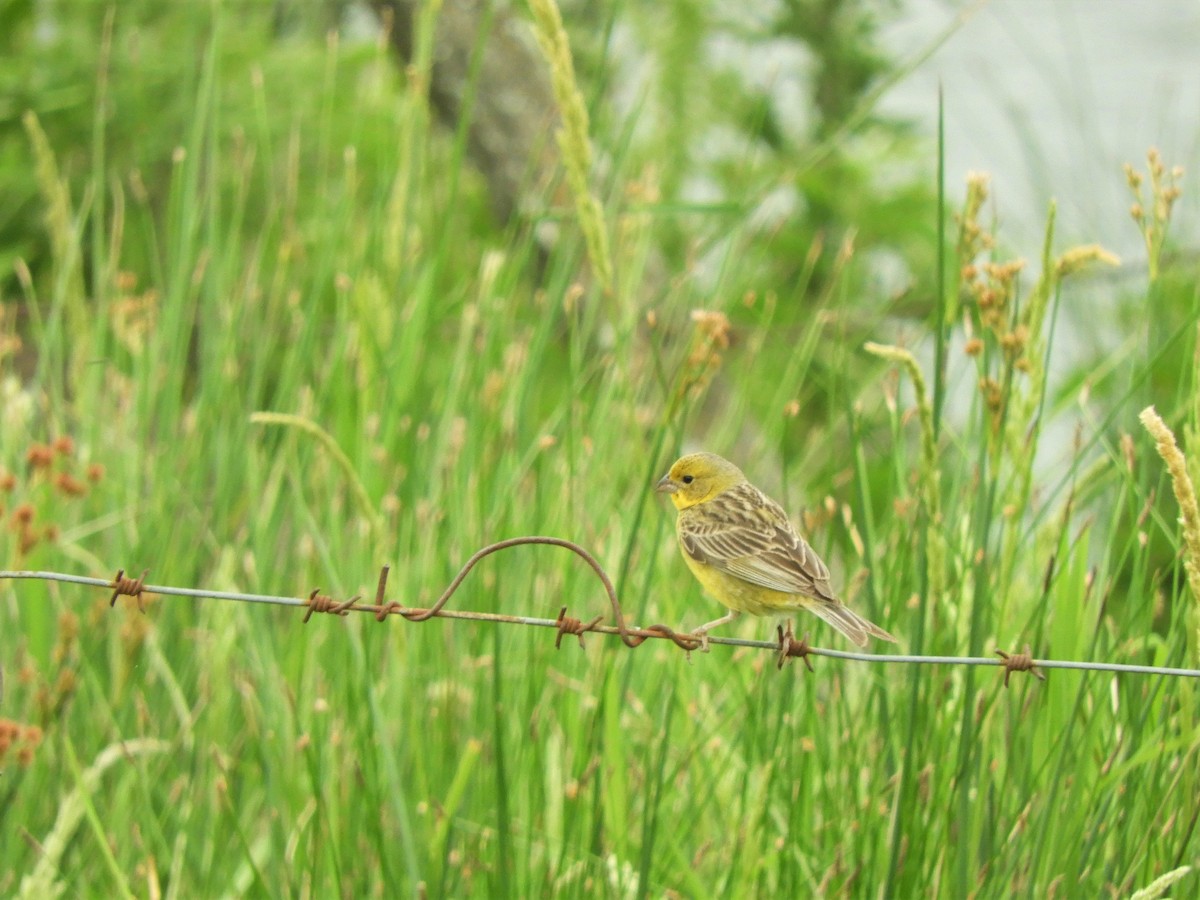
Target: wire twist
x=789 y=647
x=129 y=587
x=569 y=625
x=1018 y=662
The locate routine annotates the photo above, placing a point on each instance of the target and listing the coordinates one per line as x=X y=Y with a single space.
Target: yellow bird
x=745 y=552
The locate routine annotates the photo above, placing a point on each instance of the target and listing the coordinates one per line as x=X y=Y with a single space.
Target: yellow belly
x=741 y=595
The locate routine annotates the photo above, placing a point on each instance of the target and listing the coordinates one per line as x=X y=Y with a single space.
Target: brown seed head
x=39 y=456
x=69 y=484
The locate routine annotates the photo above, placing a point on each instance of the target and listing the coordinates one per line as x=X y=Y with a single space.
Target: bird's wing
x=744 y=533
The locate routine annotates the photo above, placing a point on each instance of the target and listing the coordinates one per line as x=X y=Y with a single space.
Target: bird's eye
x=687 y=479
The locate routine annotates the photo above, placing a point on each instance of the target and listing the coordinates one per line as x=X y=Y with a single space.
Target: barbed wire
x=786 y=645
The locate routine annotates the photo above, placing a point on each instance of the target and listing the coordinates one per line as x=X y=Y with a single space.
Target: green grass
x=469 y=401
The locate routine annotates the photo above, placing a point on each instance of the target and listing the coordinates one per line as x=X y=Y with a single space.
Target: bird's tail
x=848 y=622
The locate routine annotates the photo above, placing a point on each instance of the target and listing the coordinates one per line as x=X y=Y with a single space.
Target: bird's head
x=698 y=477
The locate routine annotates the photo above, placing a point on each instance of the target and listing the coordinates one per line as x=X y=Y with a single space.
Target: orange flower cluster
x=23 y=740
x=28 y=505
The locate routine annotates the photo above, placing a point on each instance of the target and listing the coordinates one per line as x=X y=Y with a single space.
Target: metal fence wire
x=786 y=646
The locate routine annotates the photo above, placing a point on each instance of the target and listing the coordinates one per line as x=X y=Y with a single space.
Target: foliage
x=313 y=248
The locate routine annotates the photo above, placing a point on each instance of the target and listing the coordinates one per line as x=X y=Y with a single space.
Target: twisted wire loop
x=1018 y=662
x=129 y=587
x=790 y=647
x=420 y=615
x=684 y=640
x=631 y=637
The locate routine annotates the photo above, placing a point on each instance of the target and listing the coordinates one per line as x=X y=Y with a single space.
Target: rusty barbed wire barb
x=629 y=635
x=1018 y=662
x=790 y=647
x=129 y=587
x=569 y=625
x=318 y=602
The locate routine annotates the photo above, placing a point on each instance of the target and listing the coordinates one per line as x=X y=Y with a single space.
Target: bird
x=746 y=553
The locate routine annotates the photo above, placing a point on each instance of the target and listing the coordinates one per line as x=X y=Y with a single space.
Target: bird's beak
x=666 y=485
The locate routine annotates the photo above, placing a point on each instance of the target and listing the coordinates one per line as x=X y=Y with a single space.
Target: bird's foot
x=700 y=635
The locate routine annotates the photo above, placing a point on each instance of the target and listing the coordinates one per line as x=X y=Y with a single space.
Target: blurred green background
x=361 y=217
